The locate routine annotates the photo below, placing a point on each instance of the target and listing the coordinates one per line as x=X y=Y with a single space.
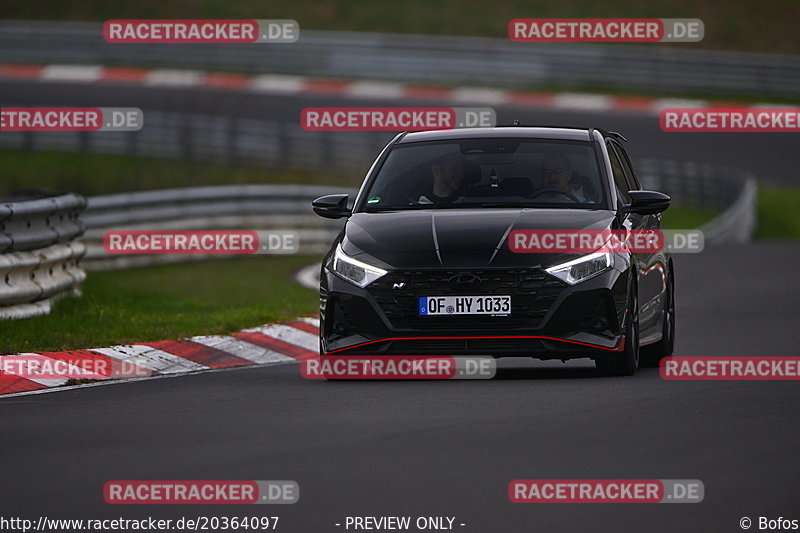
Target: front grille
x=532 y=294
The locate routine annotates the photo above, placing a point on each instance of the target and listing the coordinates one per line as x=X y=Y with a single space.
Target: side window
x=619 y=174
x=633 y=181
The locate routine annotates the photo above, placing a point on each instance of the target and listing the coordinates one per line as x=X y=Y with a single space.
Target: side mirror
x=647 y=202
x=331 y=206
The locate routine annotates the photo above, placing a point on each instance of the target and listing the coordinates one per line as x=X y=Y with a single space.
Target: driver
x=556 y=174
x=448 y=177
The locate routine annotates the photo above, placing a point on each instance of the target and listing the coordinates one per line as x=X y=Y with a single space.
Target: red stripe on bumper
x=620 y=346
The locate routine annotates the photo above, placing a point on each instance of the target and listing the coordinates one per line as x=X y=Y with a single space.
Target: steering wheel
x=554 y=190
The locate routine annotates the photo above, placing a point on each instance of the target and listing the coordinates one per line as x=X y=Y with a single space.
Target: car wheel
x=652 y=355
x=625 y=362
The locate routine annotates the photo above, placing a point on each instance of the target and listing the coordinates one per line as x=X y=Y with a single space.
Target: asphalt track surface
x=451 y=448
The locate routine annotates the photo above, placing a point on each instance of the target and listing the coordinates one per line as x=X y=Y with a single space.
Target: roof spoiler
x=617 y=135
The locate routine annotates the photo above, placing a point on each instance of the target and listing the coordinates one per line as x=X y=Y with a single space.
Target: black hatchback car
x=424 y=264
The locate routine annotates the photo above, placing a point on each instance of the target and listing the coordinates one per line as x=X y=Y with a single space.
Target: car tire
x=625 y=362
x=653 y=354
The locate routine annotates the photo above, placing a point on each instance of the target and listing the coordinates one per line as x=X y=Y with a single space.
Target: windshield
x=488 y=173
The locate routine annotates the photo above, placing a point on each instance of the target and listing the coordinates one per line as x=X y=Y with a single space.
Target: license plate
x=465 y=305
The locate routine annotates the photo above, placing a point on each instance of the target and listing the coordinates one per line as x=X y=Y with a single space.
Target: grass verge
x=778 y=213
x=168 y=302
x=686 y=217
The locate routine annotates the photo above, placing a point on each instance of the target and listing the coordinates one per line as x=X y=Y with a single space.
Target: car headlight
x=355 y=271
x=579 y=269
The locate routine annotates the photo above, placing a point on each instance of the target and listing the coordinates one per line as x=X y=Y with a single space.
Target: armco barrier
x=40 y=261
x=730 y=191
x=196 y=202
x=252 y=207
x=431 y=59
x=738 y=222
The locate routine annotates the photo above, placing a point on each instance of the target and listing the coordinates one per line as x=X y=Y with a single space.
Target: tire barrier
x=39 y=221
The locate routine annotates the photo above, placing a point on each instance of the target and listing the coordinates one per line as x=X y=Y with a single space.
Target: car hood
x=459 y=238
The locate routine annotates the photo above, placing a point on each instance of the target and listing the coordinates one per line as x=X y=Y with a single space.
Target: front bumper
x=549 y=319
